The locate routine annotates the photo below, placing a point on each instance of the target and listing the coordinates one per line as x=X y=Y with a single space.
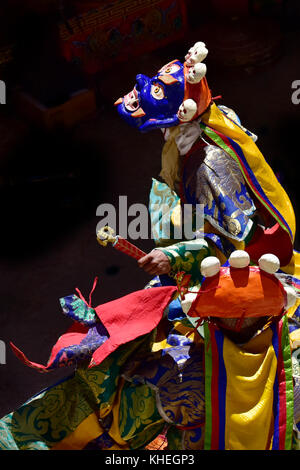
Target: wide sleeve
x=187 y=256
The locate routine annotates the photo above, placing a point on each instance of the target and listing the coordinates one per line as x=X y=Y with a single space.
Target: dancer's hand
x=155 y=263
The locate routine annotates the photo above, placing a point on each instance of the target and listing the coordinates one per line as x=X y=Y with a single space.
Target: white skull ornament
x=196 y=54
x=196 y=73
x=187 y=110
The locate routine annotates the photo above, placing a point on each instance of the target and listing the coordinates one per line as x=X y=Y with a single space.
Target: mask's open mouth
x=131 y=101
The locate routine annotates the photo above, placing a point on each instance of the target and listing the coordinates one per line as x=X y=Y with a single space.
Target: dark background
x=52 y=179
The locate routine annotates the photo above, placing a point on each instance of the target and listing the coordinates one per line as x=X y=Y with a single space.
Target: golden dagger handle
x=106 y=235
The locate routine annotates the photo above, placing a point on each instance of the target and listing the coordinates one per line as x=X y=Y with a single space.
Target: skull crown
x=187 y=110
x=195 y=72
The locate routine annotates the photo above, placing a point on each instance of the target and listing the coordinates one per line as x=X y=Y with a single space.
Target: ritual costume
x=208 y=356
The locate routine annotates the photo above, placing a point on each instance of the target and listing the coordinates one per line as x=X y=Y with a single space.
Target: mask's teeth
x=119 y=101
x=138 y=113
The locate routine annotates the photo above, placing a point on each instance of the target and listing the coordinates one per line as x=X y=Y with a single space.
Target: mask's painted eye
x=172 y=68
x=157 y=91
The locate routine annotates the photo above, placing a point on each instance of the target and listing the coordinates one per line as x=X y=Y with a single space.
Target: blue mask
x=154 y=102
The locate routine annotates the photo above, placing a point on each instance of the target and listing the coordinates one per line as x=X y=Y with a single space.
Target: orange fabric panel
x=199 y=92
x=236 y=292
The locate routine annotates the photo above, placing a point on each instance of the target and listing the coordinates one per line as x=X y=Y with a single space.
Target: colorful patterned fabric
x=78 y=310
x=72 y=348
x=187 y=256
x=297 y=402
x=180 y=402
x=247 y=388
x=228 y=135
x=71 y=413
x=97 y=409
x=159 y=379
x=210 y=392
x=165 y=215
x=212 y=178
x=119 y=322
